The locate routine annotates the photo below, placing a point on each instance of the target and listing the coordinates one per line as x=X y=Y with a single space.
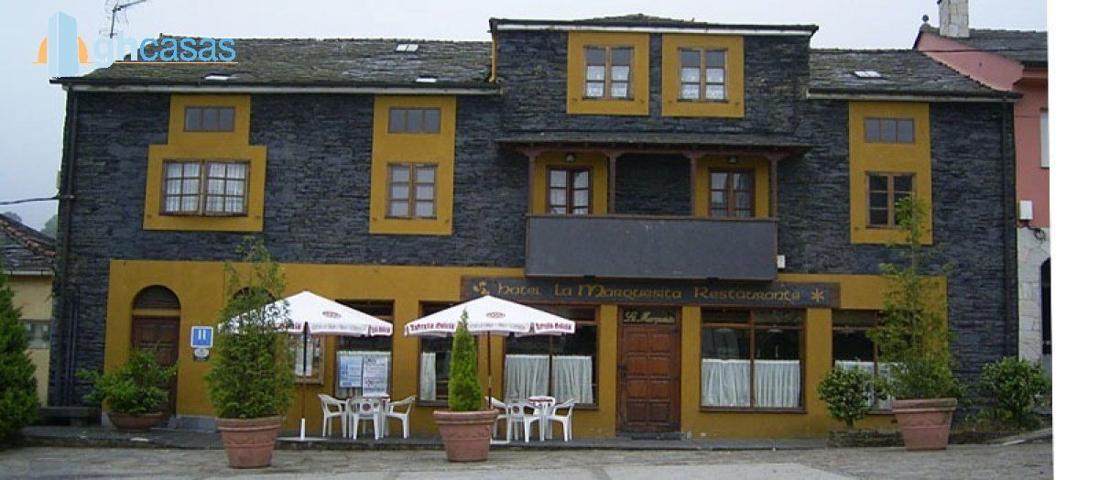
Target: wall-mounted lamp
x=570 y=157
x=732 y=159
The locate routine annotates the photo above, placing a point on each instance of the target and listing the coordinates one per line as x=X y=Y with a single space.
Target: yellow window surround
x=597 y=162
x=186 y=145
x=637 y=104
x=413 y=148
x=762 y=184
x=672 y=106
x=869 y=157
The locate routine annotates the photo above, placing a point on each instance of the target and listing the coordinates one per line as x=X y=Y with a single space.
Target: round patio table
x=543 y=405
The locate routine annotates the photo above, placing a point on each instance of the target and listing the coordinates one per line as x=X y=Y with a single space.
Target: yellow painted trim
x=672 y=106
x=435 y=148
x=598 y=164
x=576 y=104
x=183 y=145
x=200 y=289
x=762 y=201
x=887 y=157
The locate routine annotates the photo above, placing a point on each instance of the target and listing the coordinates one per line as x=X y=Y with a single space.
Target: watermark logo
x=64 y=51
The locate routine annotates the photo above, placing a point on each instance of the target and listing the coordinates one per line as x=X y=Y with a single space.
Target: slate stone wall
x=653 y=185
x=316 y=196
x=532 y=69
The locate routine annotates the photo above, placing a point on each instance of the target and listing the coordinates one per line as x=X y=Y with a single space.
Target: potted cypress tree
x=915 y=337
x=466 y=428
x=252 y=379
x=134 y=393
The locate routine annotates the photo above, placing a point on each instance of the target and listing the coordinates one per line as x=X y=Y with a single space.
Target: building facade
x=27 y=259
x=1012 y=61
x=709 y=202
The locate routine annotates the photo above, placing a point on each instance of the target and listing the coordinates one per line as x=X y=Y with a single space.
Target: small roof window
x=219 y=77
x=426 y=79
x=867 y=74
x=408 y=47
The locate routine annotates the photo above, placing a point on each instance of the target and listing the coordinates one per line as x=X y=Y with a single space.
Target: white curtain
x=725 y=382
x=427 y=376
x=778 y=383
x=525 y=376
x=572 y=378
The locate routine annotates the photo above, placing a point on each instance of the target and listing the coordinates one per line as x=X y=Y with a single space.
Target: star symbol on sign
x=818 y=295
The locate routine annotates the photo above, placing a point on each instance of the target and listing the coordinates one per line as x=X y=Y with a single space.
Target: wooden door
x=648 y=370
x=159 y=335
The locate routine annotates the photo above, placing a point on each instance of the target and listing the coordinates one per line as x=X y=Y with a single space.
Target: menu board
x=375 y=374
x=350 y=369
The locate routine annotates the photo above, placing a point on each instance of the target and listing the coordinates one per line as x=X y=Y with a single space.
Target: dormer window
x=702 y=75
x=607 y=73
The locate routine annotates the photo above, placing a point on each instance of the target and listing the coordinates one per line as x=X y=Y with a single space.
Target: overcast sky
x=33 y=111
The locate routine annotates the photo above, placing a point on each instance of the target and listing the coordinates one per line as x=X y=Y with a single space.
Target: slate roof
x=651 y=140
x=320 y=63
x=642 y=21
x=24 y=249
x=904 y=72
x=1027 y=47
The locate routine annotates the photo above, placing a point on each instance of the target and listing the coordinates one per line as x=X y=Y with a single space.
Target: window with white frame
x=1045 y=138
x=205 y=187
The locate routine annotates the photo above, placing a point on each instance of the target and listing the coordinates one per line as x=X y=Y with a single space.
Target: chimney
x=954 y=18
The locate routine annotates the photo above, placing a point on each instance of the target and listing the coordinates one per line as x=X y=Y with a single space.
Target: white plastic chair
x=360 y=408
x=391 y=412
x=517 y=414
x=501 y=414
x=333 y=408
x=565 y=420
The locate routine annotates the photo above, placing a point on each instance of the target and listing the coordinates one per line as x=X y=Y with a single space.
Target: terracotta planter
x=141 y=422
x=465 y=434
x=249 y=442
x=925 y=423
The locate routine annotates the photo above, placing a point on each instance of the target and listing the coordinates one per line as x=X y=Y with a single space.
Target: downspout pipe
x=66 y=314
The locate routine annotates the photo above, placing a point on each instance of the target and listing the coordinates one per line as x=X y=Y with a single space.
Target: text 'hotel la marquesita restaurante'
x=708 y=203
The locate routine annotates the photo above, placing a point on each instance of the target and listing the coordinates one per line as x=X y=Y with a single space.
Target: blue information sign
x=202 y=337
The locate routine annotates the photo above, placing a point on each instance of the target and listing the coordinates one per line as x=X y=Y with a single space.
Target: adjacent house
x=1012 y=61
x=710 y=202
x=26 y=257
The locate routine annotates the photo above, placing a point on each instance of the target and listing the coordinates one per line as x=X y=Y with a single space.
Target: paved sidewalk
x=1027 y=461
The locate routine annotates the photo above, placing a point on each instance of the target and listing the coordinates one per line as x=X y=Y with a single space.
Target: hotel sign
x=578 y=290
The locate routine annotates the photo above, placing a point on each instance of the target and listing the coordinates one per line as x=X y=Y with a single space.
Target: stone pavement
x=1026 y=461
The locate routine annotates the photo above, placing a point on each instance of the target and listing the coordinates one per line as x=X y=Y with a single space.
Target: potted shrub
x=134 y=393
x=850 y=394
x=251 y=379
x=914 y=336
x=1015 y=387
x=466 y=428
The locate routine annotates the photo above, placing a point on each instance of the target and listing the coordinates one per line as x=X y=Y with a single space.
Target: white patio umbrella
x=489 y=315
x=312 y=314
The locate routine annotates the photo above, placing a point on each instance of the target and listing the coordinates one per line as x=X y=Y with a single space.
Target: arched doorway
x=155 y=328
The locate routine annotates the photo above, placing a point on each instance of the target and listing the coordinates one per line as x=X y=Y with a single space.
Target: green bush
x=252 y=374
x=18 y=395
x=137 y=387
x=913 y=333
x=464 y=391
x=1015 y=387
x=849 y=393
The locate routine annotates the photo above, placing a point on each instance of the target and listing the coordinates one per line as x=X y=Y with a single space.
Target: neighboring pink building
x=1012 y=61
